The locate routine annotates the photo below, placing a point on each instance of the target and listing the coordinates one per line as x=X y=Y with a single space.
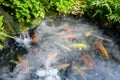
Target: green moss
x=27 y=12
x=3 y=34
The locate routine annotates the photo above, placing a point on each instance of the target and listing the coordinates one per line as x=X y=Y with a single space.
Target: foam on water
x=43 y=59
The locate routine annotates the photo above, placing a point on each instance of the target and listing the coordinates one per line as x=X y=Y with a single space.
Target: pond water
x=63 y=48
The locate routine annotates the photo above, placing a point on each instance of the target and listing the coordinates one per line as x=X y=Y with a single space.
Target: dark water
x=65 y=50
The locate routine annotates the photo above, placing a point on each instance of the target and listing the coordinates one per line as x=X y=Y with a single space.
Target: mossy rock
x=10 y=25
x=27 y=26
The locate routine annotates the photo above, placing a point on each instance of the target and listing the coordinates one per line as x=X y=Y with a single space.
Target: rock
x=10 y=25
x=50 y=78
x=41 y=73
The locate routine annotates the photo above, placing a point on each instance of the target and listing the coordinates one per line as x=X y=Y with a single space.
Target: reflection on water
x=65 y=49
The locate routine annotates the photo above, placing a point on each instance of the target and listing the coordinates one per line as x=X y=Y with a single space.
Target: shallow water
x=55 y=47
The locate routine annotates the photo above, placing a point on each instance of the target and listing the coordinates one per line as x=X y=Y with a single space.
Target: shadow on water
x=62 y=48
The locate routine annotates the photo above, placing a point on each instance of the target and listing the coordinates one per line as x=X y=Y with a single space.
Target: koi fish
x=22 y=65
x=68 y=29
x=77 y=68
x=34 y=38
x=89 y=33
x=62 y=66
x=87 y=60
x=78 y=45
x=67 y=36
x=101 y=48
x=49 y=59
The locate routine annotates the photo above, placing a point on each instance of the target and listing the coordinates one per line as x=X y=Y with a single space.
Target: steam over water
x=65 y=50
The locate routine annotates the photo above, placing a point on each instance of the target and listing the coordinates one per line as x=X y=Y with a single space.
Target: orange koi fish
x=34 y=38
x=68 y=29
x=67 y=36
x=101 y=48
x=87 y=60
